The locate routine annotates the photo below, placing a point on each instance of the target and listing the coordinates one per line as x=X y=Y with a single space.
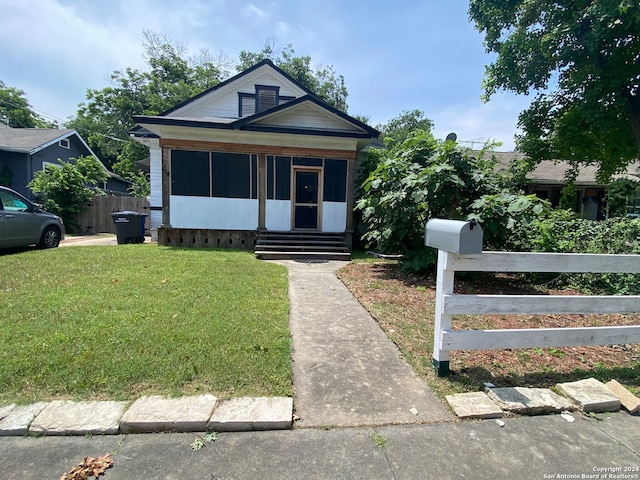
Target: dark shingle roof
x=553 y=171
x=26 y=140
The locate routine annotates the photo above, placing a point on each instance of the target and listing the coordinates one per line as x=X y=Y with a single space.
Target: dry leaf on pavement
x=90 y=467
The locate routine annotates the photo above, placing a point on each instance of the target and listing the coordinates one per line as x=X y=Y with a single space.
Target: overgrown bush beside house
x=421 y=178
x=562 y=231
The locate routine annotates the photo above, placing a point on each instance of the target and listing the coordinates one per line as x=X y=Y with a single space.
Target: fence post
x=459 y=237
x=444 y=286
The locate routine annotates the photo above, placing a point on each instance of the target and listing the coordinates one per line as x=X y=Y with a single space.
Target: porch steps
x=301 y=246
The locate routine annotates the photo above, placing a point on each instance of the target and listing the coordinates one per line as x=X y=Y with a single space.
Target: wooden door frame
x=319 y=171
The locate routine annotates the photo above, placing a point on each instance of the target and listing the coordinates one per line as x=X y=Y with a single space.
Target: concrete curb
x=147 y=415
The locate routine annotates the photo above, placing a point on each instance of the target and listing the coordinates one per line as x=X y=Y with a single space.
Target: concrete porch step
x=301 y=245
x=290 y=255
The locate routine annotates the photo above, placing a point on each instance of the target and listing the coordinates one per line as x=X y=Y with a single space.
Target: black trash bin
x=129 y=226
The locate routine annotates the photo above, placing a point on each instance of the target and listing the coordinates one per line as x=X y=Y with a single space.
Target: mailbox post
x=449 y=237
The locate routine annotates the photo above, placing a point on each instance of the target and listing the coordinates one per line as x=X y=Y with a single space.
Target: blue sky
x=396 y=56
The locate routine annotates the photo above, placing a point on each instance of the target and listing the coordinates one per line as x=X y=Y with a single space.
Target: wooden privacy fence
x=448 y=304
x=97 y=217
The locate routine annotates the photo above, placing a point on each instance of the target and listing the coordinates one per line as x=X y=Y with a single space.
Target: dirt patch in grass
x=404 y=306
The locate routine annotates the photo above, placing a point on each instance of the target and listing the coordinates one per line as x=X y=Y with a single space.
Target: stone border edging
x=588 y=395
x=147 y=415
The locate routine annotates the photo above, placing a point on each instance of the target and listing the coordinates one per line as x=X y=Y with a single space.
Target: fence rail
x=448 y=304
x=97 y=217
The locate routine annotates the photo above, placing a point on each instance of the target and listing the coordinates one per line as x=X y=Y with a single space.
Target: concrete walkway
x=346 y=371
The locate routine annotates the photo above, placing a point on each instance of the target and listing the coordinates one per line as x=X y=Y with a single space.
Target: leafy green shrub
x=561 y=231
x=500 y=214
x=618 y=193
x=422 y=178
x=65 y=189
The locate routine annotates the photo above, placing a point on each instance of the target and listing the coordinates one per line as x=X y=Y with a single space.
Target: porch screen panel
x=335 y=180
x=254 y=176
x=190 y=173
x=309 y=162
x=283 y=178
x=270 y=177
x=231 y=175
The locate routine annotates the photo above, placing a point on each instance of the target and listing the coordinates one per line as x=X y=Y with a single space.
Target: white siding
x=223 y=102
x=155 y=171
x=278 y=215
x=334 y=217
x=309 y=116
x=214 y=213
x=155 y=181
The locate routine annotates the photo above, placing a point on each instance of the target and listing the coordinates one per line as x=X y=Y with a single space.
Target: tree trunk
x=633 y=112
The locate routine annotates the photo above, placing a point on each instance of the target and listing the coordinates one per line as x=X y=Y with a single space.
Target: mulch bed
x=403 y=304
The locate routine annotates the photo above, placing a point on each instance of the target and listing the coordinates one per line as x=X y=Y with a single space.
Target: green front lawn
x=119 y=322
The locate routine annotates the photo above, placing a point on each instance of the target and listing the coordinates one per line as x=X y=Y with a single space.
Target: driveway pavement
x=88 y=240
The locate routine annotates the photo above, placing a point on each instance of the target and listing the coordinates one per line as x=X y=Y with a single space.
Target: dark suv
x=23 y=223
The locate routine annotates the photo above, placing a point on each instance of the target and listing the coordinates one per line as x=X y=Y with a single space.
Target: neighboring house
x=256 y=153
x=24 y=151
x=549 y=178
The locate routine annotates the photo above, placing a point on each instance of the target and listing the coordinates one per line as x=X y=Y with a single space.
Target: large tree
x=16 y=112
x=104 y=119
x=582 y=59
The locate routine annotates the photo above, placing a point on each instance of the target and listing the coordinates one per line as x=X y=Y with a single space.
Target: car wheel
x=50 y=238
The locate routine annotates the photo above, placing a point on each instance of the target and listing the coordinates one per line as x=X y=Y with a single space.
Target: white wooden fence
x=448 y=304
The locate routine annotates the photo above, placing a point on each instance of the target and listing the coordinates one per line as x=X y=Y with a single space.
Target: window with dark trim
x=264 y=98
x=64 y=143
x=246 y=104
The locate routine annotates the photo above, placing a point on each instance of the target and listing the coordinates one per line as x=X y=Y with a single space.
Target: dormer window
x=264 y=98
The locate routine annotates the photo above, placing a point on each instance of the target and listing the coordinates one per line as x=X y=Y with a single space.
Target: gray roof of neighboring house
x=30 y=140
x=551 y=172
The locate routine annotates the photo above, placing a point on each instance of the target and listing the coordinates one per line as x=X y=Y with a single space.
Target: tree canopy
x=398 y=129
x=16 y=112
x=104 y=119
x=582 y=60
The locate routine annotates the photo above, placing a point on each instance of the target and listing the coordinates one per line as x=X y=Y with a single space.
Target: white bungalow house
x=258 y=154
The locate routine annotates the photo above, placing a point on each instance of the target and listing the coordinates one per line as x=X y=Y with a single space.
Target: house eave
x=149 y=122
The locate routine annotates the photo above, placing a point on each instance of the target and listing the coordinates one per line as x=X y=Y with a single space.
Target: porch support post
x=166 y=187
x=262 y=191
x=351 y=169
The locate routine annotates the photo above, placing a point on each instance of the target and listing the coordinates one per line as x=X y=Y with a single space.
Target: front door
x=307 y=201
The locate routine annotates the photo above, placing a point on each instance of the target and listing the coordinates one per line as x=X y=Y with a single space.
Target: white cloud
x=255 y=13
